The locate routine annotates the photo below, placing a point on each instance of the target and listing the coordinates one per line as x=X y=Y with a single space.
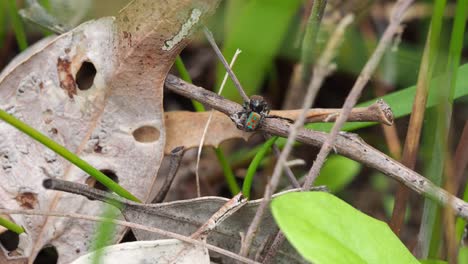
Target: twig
x=232 y=206
x=380 y=112
x=355 y=93
x=233 y=77
x=132 y=225
x=322 y=70
x=347 y=144
x=289 y=172
x=174 y=163
x=205 y=130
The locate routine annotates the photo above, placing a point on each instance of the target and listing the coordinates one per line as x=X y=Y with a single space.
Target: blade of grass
x=228 y=173
x=413 y=135
x=3 y=22
x=247 y=185
x=11 y=226
x=258 y=29
x=68 y=155
x=17 y=24
x=430 y=230
x=104 y=231
x=184 y=75
x=309 y=43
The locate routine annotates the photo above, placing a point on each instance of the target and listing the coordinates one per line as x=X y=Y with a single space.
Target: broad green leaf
x=325 y=229
x=337 y=172
x=257 y=27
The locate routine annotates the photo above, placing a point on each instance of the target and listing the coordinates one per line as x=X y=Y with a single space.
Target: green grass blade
x=184 y=75
x=247 y=185
x=11 y=226
x=17 y=24
x=309 y=47
x=104 y=232
x=258 y=28
x=68 y=155
x=228 y=173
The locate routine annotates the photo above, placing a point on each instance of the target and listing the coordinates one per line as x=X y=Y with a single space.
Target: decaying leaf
x=114 y=121
x=185 y=217
x=155 y=252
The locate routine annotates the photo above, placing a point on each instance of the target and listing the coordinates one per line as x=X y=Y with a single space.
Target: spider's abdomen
x=253 y=121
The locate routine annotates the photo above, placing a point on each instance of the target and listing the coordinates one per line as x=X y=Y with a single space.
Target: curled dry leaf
x=114 y=121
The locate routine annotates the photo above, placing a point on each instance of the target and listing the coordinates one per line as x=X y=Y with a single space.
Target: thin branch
x=132 y=225
x=392 y=29
x=347 y=144
x=289 y=172
x=379 y=112
x=174 y=163
x=322 y=70
x=218 y=52
x=205 y=130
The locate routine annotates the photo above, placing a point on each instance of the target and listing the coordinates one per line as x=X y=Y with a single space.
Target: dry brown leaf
x=116 y=125
x=186 y=129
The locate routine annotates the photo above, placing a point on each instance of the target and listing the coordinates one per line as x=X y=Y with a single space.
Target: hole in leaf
x=91 y=182
x=47 y=255
x=146 y=134
x=85 y=76
x=9 y=240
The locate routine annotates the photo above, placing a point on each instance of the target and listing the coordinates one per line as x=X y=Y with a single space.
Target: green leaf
x=432 y=261
x=463 y=255
x=257 y=27
x=338 y=172
x=325 y=229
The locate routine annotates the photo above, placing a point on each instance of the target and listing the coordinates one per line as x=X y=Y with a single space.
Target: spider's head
x=259 y=105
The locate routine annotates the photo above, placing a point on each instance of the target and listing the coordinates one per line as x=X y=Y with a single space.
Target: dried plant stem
x=205 y=130
x=392 y=29
x=132 y=225
x=411 y=146
x=218 y=52
x=174 y=163
x=322 y=70
x=378 y=112
x=346 y=144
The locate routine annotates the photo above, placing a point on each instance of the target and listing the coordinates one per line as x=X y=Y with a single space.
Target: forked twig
x=174 y=163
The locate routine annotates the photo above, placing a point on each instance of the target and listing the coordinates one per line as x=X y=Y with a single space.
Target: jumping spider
x=252 y=115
